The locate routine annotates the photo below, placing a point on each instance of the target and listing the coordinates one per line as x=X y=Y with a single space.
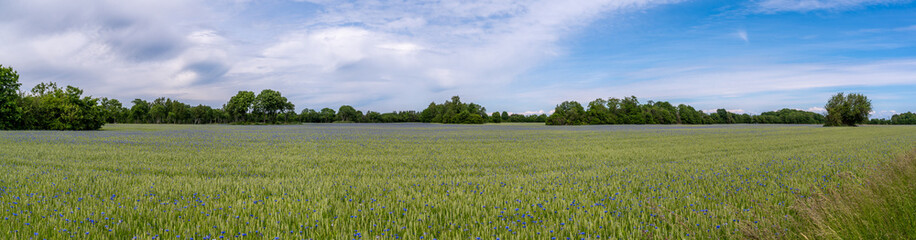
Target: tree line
x=50 y=107
x=46 y=107
x=907 y=118
x=630 y=111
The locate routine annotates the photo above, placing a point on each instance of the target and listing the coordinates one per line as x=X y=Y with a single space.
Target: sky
x=506 y=55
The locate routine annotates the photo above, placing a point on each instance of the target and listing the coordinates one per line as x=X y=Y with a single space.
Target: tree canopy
x=567 y=113
x=10 y=112
x=454 y=111
x=49 y=107
x=630 y=111
x=907 y=118
x=239 y=105
x=847 y=109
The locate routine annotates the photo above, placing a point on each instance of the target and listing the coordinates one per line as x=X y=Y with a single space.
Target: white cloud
x=122 y=49
x=886 y=114
x=372 y=54
x=753 y=87
x=816 y=109
x=404 y=54
x=538 y=112
x=742 y=34
x=815 y=5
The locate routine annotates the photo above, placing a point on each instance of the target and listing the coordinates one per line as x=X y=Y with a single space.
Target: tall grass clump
x=882 y=206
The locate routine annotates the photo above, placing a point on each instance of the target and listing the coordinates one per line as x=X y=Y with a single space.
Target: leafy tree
x=847 y=110
x=309 y=115
x=430 y=113
x=239 y=105
x=496 y=118
x=202 y=114
x=270 y=103
x=112 y=110
x=158 y=110
x=327 y=115
x=373 y=117
x=10 y=112
x=689 y=115
x=598 y=112
x=725 y=116
x=661 y=113
x=140 y=111
x=789 y=116
x=347 y=113
x=907 y=118
x=567 y=113
x=541 y=118
x=504 y=116
x=49 y=107
x=454 y=111
x=633 y=113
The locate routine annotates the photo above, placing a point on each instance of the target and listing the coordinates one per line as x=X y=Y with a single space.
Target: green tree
x=567 y=113
x=158 y=110
x=139 y=112
x=454 y=111
x=309 y=116
x=373 y=117
x=112 y=110
x=10 y=112
x=270 y=103
x=327 y=115
x=49 y=107
x=597 y=112
x=725 y=116
x=847 y=110
x=201 y=114
x=239 y=105
x=907 y=118
x=496 y=118
x=347 y=113
x=632 y=111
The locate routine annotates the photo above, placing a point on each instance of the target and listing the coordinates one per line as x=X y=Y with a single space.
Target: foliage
x=49 y=107
x=347 y=113
x=239 y=105
x=10 y=112
x=567 y=113
x=327 y=115
x=907 y=118
x=790 y=116
x=269 y=103
x=509 y=181
x=520 y=118
x=455 y=112
x=496 y=118
x=629 y=111
x=113 y=111
x=847 y=110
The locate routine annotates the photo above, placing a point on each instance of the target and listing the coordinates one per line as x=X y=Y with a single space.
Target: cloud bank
x=376 y=54
x=816 y=5
x=385 y=55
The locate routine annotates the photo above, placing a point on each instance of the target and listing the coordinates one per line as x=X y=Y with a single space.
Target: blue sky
x=516 y=56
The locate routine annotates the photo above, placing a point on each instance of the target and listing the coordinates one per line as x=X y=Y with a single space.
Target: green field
x=351 y=181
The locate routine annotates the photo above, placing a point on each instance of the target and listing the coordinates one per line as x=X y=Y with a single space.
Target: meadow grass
x=431 y=181
x=882 y=206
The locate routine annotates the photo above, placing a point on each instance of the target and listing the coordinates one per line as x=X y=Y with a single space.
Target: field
x=427 y=181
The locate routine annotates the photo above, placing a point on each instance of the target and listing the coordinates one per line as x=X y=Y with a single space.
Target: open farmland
x=343 y=181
